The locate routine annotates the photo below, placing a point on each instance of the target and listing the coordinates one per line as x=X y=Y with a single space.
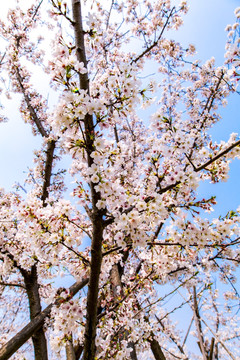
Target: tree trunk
x=97 y=215
x=116 y=288
x=70 y=353
x=156 y=349
x=38 y=338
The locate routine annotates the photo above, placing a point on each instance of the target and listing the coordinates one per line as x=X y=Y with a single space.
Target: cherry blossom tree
x=134 y=233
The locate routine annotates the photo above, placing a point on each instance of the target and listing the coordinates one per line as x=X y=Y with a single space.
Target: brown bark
x=116 y=285
x=199 y=325
x=172 y=338
x=78 y=349
x=133 y=353
x=156 y=42
x=30 y=277
x=211 y=352
x=33 y=326
x=48 y=169
x=32 y=288
x=156 y=349
x=116 y=288
x=218 y=156
x=92 y=296
x=32 y=112
x=83 y=78
x=96 y=218
x=70 y=353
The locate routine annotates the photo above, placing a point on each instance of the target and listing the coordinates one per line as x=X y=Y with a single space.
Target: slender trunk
x=211 y=352
x=32 y=287
x=97 y=215
x=116 y=288
x=133 y=353
x=78 y=349
x=93 y=288
x=156 y=349
x=199 y=325
x=70 y=353
x=115 y=279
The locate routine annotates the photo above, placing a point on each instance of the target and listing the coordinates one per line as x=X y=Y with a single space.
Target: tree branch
x=32 y=289
x=48 y=169
x=172 y=338
x=198 y=325
x=31 y=109
x=220 y=342
x=96 y=215
x=207 y=107
x=219 y=155
x=70 y=353
x=12 y=285
x=23 y=335
x=51 y=143
x=60 y=12
x=156 y=41
x=156 y=349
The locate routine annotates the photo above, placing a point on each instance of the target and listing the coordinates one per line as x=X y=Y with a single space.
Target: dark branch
x=96 y=214
x=48 y=169
x=31 y=109
x=155 y=43
x=219 y=155
x=156 y=349
x=12 y=285
x=198 y=325
x=22 y=336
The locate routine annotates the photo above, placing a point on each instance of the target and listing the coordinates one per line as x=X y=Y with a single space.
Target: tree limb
x=156 y=41
x=12 y=285
x=23 y=335
x=219 y=155
x=96 y=215
x=156 y=349
x=70 y=353
x=220 y=342
x=172 y=338
x=31 y=109
x=32 y=289
x=48 y=169
x=198 y=325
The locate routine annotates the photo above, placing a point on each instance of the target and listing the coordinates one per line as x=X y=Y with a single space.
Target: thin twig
x=156 y=41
